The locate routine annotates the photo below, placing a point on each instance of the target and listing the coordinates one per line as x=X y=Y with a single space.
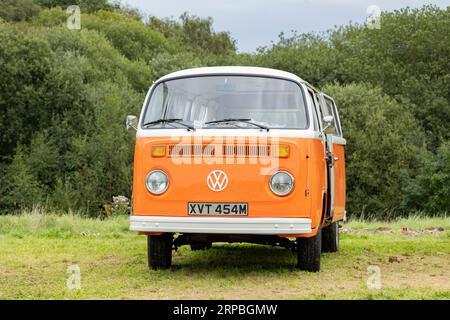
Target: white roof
x=255 y=71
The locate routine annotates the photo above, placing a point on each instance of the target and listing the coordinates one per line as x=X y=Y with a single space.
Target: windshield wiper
x=249 y=121
x=179 y=121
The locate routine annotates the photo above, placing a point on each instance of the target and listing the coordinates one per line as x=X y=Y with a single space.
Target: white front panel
x=230 y=225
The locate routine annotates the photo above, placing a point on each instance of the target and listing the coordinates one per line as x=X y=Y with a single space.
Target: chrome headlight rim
x=290 y=190
x=167 y=184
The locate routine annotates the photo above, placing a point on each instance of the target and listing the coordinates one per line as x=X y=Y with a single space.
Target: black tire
x=200 y=246
x=159 y=249
x=330 y=238
x=308 y=252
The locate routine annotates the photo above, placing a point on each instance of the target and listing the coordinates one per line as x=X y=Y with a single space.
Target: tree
x=196 y=34
x=18 y=10
x=407 y=57
x=85 y=5
x=309 y=55
x=131 y=37
x=430 y=190
x=19 y=188
x=384 y=145
x=24 y=63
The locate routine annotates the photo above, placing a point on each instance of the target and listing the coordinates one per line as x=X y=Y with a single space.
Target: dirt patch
x=419 y=232
x=385 y=230
x=420 y=272
x=393 y=259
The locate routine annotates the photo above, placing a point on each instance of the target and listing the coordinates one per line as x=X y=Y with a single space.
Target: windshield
x=200 y=101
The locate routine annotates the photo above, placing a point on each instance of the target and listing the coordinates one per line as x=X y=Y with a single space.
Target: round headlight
x=157 y=182
x=281 y=183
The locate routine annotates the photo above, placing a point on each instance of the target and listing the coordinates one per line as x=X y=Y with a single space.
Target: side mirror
x=329 y=124
x=131 y=123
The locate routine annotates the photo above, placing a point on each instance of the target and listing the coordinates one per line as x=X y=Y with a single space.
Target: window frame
x=155 y=85
x=337 y=121
x=312 y=96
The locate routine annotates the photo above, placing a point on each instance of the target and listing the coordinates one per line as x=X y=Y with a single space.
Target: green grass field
x=36 y=249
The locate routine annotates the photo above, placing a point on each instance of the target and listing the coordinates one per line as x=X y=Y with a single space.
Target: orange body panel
x=306 y=163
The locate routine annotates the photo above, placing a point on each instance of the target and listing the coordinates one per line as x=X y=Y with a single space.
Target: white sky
x=255 y=23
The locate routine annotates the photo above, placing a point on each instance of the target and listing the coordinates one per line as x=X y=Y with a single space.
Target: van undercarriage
x=200 y=240
x=308 y=250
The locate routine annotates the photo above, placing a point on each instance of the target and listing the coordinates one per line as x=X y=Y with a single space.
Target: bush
x=19 y=187
x=18 y=10
x=430 y=190
x=102 y=159
x=25 y=59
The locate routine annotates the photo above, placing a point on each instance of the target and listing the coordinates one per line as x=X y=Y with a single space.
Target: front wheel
x=330 y=238
x=308 y=252
x=159 y=249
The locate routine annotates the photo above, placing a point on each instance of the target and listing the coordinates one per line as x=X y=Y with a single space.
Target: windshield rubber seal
x=158 y=82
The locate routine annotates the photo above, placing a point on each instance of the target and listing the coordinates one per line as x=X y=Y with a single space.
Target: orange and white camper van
x=237 y=154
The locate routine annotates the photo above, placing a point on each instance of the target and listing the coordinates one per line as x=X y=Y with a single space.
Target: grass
x=36 y=249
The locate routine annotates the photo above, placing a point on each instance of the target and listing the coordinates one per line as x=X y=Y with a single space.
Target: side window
x=313 y=101
x=327 y=108
x=331 y=109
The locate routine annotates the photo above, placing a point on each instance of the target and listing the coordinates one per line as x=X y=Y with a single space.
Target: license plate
x=217 y=209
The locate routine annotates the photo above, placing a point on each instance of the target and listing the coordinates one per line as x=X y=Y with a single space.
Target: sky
x=255 y=23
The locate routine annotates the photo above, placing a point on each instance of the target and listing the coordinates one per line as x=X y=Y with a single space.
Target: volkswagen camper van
x=237 y=154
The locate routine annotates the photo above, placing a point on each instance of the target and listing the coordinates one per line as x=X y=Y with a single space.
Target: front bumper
x=224 y=225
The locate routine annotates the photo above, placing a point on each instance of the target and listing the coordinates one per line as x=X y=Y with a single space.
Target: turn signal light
x=158 y=151
x=282 y=151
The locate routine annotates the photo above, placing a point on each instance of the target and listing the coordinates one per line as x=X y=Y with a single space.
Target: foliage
x=131 y=37
x=85 y=5
x=18 y=10
x=64 y=95
x=195 y=34
x=25 y=59
x=308 y=55
x=20 y=188
x=380 y=149
x=430 y=189
x=408 y=57
x=99 y=156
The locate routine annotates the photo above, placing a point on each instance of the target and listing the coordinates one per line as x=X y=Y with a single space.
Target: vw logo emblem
x=217 y=180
